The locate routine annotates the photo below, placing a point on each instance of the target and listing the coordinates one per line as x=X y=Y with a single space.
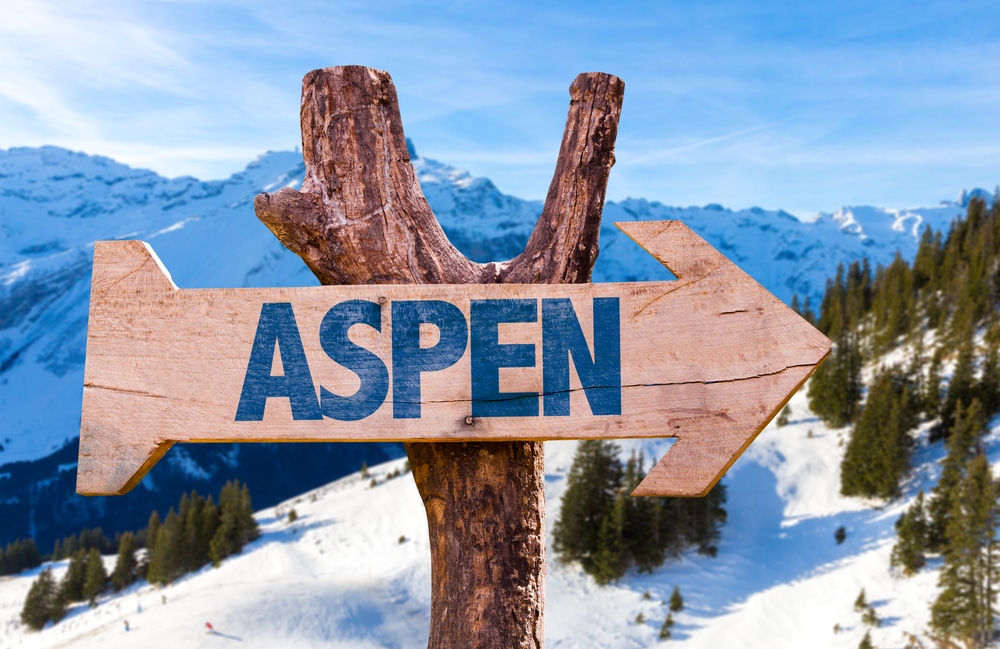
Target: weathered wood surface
x=708 y=358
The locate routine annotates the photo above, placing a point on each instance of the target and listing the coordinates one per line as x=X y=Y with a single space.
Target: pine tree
x=703 y=519
x=167 y=562
x=146 y=538
x=70 y=545
x=71 y=586
x=201 y=522
x=893 y=305
x=30 y=556
x=125 y=567
x=860 y=602
x=927 y=260
x=676 y=601
x=186 y=543
x=97 y=577
x=961 y=389
x=807 y=312
x=911 y=529
x=95 y=538
x=57 y=607
x=965 y=607
x=641 y=530
x=37 y=605
x=878 y=454
x=668 y=624
x=152 y=529
x=611 y=561
x=832 y=321
x=964 y=443
x=19 y=555
x=931 y=396
x=605 y=529
x=866 y=642
x=835 y=388
x=237 y=526
x=989 y=383
x=591 y=487
x=210 y=523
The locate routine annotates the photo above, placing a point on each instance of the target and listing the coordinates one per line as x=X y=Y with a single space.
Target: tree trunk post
x=361 y=218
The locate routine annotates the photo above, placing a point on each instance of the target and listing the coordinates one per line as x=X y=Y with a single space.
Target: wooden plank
x=709 y=358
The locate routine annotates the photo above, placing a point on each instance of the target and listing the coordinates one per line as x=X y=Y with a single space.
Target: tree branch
x=361 y=217
x=564 y=244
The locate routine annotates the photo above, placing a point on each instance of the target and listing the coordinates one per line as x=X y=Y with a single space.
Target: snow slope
x=53 y=205
x=353 y=570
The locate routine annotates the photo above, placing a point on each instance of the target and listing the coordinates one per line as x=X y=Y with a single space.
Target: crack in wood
x=140 y=393
x=125 y=277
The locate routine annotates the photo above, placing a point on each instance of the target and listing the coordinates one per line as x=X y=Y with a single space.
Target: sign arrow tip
x=771 y=348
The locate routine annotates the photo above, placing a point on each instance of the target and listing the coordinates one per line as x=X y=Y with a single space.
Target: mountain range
x=55 y=203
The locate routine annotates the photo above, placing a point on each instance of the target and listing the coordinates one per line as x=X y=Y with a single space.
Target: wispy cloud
x=57 y=59
x=675 y=153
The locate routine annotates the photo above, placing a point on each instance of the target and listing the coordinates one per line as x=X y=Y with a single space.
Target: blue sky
x=804 y=106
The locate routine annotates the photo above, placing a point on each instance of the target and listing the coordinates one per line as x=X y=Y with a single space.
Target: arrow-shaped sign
x=709 y=359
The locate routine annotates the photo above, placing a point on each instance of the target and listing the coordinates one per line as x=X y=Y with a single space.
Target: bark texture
x=361 y=218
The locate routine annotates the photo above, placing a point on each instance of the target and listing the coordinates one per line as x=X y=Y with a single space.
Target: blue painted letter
x=369 y=367
x=488 y=356
x=562 y=337
x=409 y=359
x=277 y=328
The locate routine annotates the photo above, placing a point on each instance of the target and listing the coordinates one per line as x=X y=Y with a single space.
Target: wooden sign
x=709 y=359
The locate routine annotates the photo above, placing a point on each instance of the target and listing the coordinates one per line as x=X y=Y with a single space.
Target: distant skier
x=209 y=628
x=126 y=626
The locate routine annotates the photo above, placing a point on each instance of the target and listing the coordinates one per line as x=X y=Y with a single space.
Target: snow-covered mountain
x=353 y=570
x=55 y=203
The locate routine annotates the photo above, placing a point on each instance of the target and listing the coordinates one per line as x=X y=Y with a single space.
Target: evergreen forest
x=196 y=533
x=609 y=532
x=938 y=319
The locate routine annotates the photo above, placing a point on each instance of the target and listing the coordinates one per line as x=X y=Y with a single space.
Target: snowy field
x=353 y=570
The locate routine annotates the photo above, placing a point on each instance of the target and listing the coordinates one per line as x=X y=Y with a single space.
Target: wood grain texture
x=708 y=358
x=488 y=542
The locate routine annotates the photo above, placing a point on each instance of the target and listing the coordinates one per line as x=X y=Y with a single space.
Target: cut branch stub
x=361 y=217
x=564 y=244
